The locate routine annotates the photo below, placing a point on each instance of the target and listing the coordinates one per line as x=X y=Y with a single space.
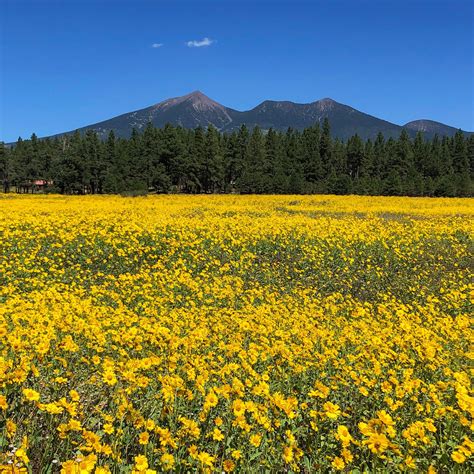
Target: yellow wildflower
x=331 y=410
x=228 y=465
x=167 y=461
x=338 y=463
x=458 y=457
x=31 y=395
x=255 y=440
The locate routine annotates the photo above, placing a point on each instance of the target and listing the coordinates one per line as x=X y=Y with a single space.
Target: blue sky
x=66 y=64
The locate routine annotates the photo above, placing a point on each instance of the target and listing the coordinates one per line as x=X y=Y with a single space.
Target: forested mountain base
x=174 y=159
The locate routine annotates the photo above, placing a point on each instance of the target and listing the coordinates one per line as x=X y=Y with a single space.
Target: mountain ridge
x=197 y=109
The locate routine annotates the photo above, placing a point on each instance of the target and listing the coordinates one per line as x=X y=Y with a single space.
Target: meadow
x=235 y=333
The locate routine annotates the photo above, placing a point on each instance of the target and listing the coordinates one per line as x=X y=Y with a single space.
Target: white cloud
x=157 y=45
x=199 y=43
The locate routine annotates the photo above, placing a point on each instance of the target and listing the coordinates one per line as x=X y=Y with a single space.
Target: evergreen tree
x=470 y=151
x=243 y=137
x=325 y=145
x=355 y=156
x=111 y=165
x=294 y=161
x=339 y=181
x=312 y=163
x=278 y=161
x=69 y=175
x=232 y=166
x=380 y=156
x=367 y=181
x=461 y=165
x=94 y=163
x=4 y=168
x=213 y=170
x=253 y=179
x=460 y=156
x=199 y=153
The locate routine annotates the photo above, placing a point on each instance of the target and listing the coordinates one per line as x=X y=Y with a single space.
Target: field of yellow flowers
x=235 y=333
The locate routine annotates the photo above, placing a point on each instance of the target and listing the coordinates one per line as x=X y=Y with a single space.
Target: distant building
x=33 y=185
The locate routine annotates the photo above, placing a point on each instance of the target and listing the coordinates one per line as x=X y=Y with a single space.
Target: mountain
x=344 y=120
x=196 y=109
x=189 y=111
x=430 y=127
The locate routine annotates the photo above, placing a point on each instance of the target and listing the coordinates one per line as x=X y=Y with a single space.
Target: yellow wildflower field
x=235 y=333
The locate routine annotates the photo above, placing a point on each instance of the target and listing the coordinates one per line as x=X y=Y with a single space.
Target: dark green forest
x=175 y=159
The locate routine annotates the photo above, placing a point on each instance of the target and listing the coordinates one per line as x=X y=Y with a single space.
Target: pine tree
x=112 y=177
x=95 y=170
x=294 y=165
x=134 y=161
x=461 y=165
x=460 y=156
x=401 y=165
x=232 y=169
x=253 y=179
x=380 y=156
x=367 y=183
x=312 y=163
x=69 y=174
x=4 y=168
x=355 y=155
x=213 y=172
x=199 y=153
x=339 y=181
x=470 y=150
x=325 y=148
x=243 y=137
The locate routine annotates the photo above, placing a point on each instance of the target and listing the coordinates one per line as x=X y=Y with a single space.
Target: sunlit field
x=235 y=333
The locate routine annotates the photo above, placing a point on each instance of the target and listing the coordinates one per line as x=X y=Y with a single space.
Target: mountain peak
x=196 y=99
x=430 y=127
x=196 y=93
x=422 y=124
x=327 y=100
x=196 y=96
x=325 y=104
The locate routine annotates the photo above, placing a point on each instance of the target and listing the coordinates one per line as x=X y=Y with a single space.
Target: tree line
x=174 y=159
